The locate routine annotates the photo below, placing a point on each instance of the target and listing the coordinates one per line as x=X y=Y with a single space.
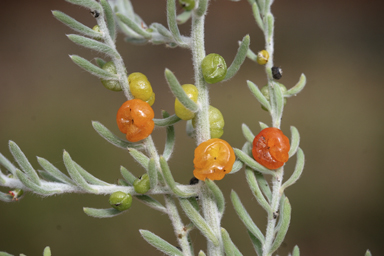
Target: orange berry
x=213 y=159
x=270 y=148
x=134 y=118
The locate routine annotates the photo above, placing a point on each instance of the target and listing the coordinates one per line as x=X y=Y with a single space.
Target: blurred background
x=47 y=104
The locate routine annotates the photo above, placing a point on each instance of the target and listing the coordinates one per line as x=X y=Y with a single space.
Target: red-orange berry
x=213 y=159
x=134 y=118
x=270 y=148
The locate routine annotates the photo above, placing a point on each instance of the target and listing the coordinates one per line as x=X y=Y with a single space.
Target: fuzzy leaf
x=134 y=26
x=297 y=172
x=23 y=162
x=259 y=96
x=170 y=140
x=236 y=167
x=102 y=213
x=297 y=88
x=91 y=68
x=229 y=247
x=263 y=125
x=245 y=218
x=75 y=25
x=112 y=138
x=201 y=253
x=183 y=17
x=142 y=159
x=252 y=163
x=251 y=55
x=5 y=254
x=162 y=30
x=252 y=183
x=269 y=25
x=52 y=170
x=167 y=121
x=219 y=197
x=296 y=251
x=256 y=244
x=127 y=175
x=48 y=177
x=256 y=14
x=249 y=136
x=151 y=202
x=109 y=17
x=178 y=91
x=202 y=8
x=263 y=185
x=93 y=45
x=152 y=172
x=239 y=58
x=286 y=219
x=368 y=253
x=33 y=186
x=90 y=4
x=100 y=62
x=172 y=23
x=7 y=164
x=75 y=175
x=47 y=251
x=160 y=243
x=89 y=177
x=277 y=101
x=198 y=220
x=295 y=141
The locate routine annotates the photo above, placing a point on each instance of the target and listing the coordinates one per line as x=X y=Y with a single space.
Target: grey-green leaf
x=91 y=68
x=133 y=25
x=219 y=197
x=198 y=220
x=178 y=91
x=256 y=244
x=75 y=25
x=90 y=4
x=23 y=162
x=102 y=213
x=297 y=88
x=286 y=215
x=239 y=58
x=183 y=17
x=109 y=17
x=252 y=163
x=172 y=23
x=142 y=159
x=229 y=247
x=7 y=164
x=201 y=253
x=259 y=96
x=297 y=172
x=245 y=218
x=256 y=14
x=33 y=186
x=249 y=136
x=93 y=45
x=127 y=175
x=263 y=125
x=5 y=254
x=295 y=141
x=263 y=185
x=296 y=251
x=236 y=167
x=253 y=184
x=277 y=102
x=166 y=121
x=152 y=172
x=151 y=202
x=160 y=243
x=51 y=169
x=47 y=251
x=89 y=177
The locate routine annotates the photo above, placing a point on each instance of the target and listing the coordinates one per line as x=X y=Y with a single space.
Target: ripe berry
x=213 y=159
x=141 y=88
x=270 y=148
x=111 y=84
x=134 y=118
x=262 y=57
x=120 y=200
x=182 y=111
x=214 y=68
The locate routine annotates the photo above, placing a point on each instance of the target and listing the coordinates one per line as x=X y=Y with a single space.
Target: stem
x=276 y=196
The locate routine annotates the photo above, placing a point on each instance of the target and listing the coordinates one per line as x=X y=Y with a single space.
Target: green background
x=47 y=104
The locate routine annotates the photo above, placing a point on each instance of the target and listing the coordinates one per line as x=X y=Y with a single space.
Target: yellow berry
x=262 y=57
x=182 y=111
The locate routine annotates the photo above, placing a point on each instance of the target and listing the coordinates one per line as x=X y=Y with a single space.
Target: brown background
x=47 y=104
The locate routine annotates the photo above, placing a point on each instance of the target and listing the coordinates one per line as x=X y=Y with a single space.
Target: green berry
x=111 y=84
x=265 y=91
x=216 y=122
x=96 y=28
x=120 y=200
x=142 y=185
x=187 y=5
x=214 y=68
x=182 y=111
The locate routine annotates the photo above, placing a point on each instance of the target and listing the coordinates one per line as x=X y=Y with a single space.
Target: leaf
x=167 y=121
x=263 y=185
x=90 y=4
x=368 y=253
x=89 y=177
x=75 y=175
x=52 y=170
x=23 y=162
x=202 y=7
x=151 y=202
x=112 y=138
x=286 y=215
x=295 y=141
x=296 y=251
x=269 y=25
x=91 y=68
x=93 y=45
x=201 y=253
x=297 y=172
x=198 y=220
x=152 y=172
x=256 y=244
x=249 y=136
x=219 y=197
x=47 y=251
x=5 y=254
x=252 y=163
x=160 y=243
x=256 y=14
x=259 y=96
x=236 y=167
x=183 y=17
x=277 y=102
x=252 y=183
x=170 y=181
x=75 y=25
x=102 y=213
x=33 y=186
x=127 y=175
x=7 y=164
x=251 y=55
x=172 y=23
x=142 y=159
x=109 y=17
x=48 y=177
x=229 y=247
x=263 y=125
x=178 y=91
x=100 y=62
x=170 y=139
x=297 y=88
x=133 y=25
x=239 y=58
x=245 y=218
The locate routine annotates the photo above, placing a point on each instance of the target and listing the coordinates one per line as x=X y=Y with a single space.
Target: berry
x=216 y=122
x=120 y=200
x=187 y=5
x=134 y=118
x=213 y=159
x=214 y=68
x=111 y=84
x=182 y=111
x=265 y=91
x=262 y=57
x=277 y=73
x=142 y=185
x=270 y=148
x=141 y=88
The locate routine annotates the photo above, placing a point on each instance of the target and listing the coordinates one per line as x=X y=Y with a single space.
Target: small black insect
x=95 y=14
x=277 y=73
x=193 y=181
